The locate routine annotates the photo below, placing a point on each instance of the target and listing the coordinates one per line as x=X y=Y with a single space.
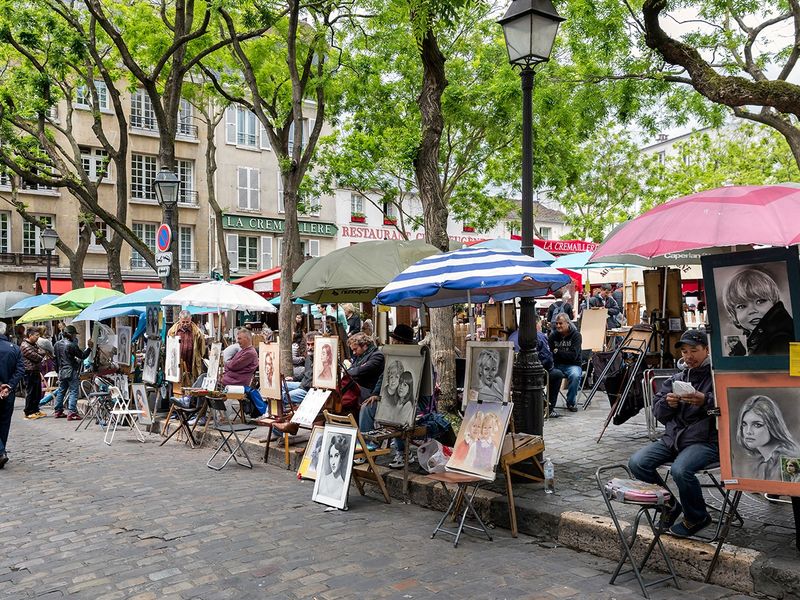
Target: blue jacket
x=542 y=348
x=11 y=368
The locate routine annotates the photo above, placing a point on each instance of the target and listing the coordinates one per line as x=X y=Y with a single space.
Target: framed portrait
x=210 y=382
x=153 y=328
x=752 y=299
x=759 y=431
x=172 y=362
x=402 y=374
x=121 y=382
x=488 y=372
x=123 y=345
x=269 y=376
x=480 y=439
x=326 y=361
x=308 y=466
x=151 y=355
x=141 y=403
x=335 y=466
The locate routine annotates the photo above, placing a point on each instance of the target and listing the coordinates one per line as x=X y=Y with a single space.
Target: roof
x=540 y=213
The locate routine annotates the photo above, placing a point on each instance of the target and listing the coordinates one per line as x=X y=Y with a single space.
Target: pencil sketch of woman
x=762 y=433
x=334 y=467
x=326 y=372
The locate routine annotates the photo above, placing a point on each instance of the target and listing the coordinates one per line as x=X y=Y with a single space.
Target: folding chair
x=184 y=414
x=99 y=403
x=462 y=495
x=121 y=411
x=229 y=430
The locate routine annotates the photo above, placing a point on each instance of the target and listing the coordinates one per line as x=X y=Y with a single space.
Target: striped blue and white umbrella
x=471 y=275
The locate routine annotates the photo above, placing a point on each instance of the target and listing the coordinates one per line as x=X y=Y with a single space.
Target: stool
x=463 y=494
x=648 y=497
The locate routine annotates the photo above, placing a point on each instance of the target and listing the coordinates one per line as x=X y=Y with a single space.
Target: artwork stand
x=370 y=473
x=523 y=447
x=407 y=434
x=277 y=414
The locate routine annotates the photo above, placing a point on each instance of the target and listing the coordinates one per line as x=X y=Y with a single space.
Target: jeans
x=67 y=385
x=33 y=383
x=296 y=393
x=685 y=464
x=573 y=373
x=554 y=379
x=366 y=417
x=6 y=410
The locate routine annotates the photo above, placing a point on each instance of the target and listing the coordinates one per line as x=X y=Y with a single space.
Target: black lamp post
x=530 y=28
x=166 y=186
x=48 y=239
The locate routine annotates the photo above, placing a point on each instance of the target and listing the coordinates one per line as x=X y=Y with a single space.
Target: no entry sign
x=163 y=237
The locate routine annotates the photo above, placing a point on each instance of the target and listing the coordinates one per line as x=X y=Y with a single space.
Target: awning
x=265 y=282
x=62 y=286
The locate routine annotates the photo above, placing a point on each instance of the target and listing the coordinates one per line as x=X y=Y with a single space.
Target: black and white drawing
x=400 y=389
x=214 y=354
x=153 y=314
x=335 y=466
x=151 y=355
x=172 y=363
x=123 y=345
x=141 y=404
x=488 y=375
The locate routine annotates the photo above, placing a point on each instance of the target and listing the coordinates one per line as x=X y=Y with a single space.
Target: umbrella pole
x=471 y=315
x=665 y=320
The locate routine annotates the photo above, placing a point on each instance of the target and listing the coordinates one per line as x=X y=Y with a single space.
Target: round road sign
x=163 y=238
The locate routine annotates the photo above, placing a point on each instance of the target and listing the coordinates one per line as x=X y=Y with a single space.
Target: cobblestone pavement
x=80 y=519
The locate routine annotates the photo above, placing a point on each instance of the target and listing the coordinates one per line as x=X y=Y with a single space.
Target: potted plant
x=389 y=220
x=358 y=217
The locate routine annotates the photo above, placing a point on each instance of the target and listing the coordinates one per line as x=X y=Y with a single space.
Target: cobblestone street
x=84 y=520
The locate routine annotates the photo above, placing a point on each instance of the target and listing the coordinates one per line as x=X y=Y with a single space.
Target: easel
x=370 y=474
x=406 y=434
x=594 y=322
x=523 y=447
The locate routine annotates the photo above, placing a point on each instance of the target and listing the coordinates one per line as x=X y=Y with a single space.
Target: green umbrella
x=83 y=297
x=303 y=269
x=357 y=273
x=46 y=312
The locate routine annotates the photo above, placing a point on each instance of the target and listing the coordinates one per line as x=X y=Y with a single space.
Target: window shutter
x=255 y=189
x=266 y=252
x=290 y=148
x=243 y=180
x=230 y=125
x=232 y=246
x=263 y=137
x=313 y=247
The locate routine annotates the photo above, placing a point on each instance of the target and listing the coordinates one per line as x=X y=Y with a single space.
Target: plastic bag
x=433 y=456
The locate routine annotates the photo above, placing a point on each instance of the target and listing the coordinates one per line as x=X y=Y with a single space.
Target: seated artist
x=565 y=342
x=241 y=367
x=690 y=440
x=366 y=367
x=299 y=389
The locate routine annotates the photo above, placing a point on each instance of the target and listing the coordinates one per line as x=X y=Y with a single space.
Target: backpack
x=557 y=310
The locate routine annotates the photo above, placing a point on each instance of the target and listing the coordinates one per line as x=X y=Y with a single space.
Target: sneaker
x=572 y=408
x=74 y=417
x=59 y=414
x=32 y=417
x=685 y=529
x=3 y=460
x=670 y=516
x=554 y=414
x=41 y=414
x=359 y=461
x=195 y=421
x=398 y=462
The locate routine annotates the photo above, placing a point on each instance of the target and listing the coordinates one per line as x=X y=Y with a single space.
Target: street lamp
x=49 y=239
x=530 y=28
x=166 y=186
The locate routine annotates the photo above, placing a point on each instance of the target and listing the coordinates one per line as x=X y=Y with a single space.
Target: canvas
x=153 y=314
x=326 y=360
x=593 y=328
x=172 y=363
x=121 y=382
x=123 y=345
x=759 y=431
x=214 y=354
x=151 y=356
x=268 y=374
x=753 y=298
x=308 y=466
x=488 y=372
x=335 y=466
x=141 y=404
x=480 y=439
x=310 y=407
x=402 y=374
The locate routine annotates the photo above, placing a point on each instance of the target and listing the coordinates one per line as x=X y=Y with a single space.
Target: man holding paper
x=690 y=441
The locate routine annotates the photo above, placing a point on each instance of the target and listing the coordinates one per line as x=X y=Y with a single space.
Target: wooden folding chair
x=370 y=473
x=523 y=447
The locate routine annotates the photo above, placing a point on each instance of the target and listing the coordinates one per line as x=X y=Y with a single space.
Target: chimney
x=662 y=137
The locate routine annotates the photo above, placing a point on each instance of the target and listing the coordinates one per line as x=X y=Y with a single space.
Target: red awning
x=249 y=281
x=62 y=286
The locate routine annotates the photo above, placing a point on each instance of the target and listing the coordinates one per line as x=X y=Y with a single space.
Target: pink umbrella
x=710 y=222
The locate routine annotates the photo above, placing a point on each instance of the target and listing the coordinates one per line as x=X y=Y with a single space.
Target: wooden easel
x=370 y=474
x=406 y=434
x=523 y=447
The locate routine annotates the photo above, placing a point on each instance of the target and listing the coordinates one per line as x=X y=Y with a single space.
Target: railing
x=142 y=122
x=189 y=265
x=27 y=185
x=139 y=264
x=188 y=197
x=187 y=130
x=21 y=259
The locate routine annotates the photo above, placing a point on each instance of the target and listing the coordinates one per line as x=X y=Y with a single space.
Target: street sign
x=163 y=259
x=163 y=271
x=163 y=237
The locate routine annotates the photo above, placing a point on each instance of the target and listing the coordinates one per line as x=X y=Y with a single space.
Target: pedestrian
x=11 y=373
x=353 y=319
x=32 y=357
x=69 y=358
x=192 y=343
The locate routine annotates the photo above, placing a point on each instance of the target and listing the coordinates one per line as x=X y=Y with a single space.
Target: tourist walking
x=11 y=373
x=69 y=358
x=32 y=357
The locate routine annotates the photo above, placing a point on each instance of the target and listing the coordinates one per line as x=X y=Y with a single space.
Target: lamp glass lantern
x=166 y=186
x=530 y=28
x=49 y=239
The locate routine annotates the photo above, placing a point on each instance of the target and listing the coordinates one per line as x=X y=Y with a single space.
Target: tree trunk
x=426 y=167
x=76 y=263
x=291 y=259
x=114 y=266
x=211 y=172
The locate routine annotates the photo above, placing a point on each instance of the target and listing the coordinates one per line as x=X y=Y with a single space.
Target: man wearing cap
x=690 y=439
x=69 y=357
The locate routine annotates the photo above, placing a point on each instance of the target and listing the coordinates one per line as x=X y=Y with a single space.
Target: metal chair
x=228 y=430
x=122 y=412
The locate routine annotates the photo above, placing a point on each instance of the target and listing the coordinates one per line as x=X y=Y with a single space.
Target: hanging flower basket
x=468 y=229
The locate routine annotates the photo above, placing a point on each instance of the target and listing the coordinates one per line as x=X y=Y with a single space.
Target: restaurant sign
x=270 y=225
x=565 y=246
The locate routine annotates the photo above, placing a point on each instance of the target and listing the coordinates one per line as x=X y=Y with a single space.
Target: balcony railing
x=189 y=265
x=139 y=264
x=148 y=123
x=188 y=197
x=187 y=130
x=22 y=259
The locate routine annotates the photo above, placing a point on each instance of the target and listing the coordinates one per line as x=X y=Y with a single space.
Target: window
x=662 y=157
x=249 y=188
x=5 y=232
x=31 y=235
x=186 y=126
x=95 y=163
x=186 y=192
x=83 y=96
x=31 y=185
x=142 y=114
x=5 y=179
x=356 y=204
x=281 y=202
x=308 y=125
x=186 y=248
x=390 y=210
x=546 y=233
x=249 y=253
x=147 y=233
x=307 y=248
x=143 y=173
x=94 y=244
x=313 y=205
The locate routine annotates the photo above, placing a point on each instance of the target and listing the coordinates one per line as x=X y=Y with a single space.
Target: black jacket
x=687 y=424
x=367 y=369
x=566 y=349
x=353 y=324
x=11 y=367
x=773 y=333
x=308 y=374
x=69 y=357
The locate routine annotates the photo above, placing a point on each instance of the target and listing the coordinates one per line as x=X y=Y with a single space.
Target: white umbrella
x=220 y=295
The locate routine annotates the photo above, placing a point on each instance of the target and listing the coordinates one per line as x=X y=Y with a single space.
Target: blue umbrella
x=34 y=301
x=471 y=275
x=539 y=254
x=276 y=301
x=579 y=261
x=103 y=309
x=143 y=297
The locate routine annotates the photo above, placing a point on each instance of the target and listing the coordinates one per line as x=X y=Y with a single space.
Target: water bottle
x=549 y=476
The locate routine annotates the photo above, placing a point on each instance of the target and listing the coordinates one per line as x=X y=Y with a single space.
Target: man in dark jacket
x=690 y=441
x=11 y=373
x=32 y=357
x=69 y=358
x=565 y=342
x=611 y=306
